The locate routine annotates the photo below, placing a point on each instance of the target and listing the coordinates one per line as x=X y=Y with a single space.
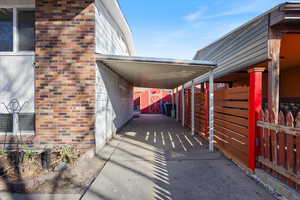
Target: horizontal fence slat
x=232 y=142
x=235 y=104
x=233 y=134
x=235 y=90
x=237 y=120
x=238 y=96
x=232 y=152
x=230 y=111
x=234 y=127
x=279 y=128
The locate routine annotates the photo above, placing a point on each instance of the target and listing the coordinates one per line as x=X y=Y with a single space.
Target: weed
x=30 y=156
x=3 y=153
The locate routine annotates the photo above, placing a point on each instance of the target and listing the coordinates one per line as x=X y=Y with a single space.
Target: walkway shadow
x=169 y=142
x=182 y=166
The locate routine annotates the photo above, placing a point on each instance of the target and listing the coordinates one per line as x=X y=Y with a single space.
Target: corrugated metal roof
x=244 y=46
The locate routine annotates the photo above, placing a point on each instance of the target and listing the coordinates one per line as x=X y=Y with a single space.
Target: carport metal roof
x=156 y=72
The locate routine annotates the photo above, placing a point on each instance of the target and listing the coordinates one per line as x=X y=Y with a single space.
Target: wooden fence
x=231 y=119
x=188 y=108
x=201 y=113
x=280 y=146
x=231 y=122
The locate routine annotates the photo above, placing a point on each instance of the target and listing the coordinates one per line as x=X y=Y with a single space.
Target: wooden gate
x=280 y=146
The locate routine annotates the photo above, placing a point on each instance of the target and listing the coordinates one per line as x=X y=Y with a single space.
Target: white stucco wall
x=114 y=94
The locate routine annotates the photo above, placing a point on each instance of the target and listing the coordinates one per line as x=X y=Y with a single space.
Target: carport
x=165 y=73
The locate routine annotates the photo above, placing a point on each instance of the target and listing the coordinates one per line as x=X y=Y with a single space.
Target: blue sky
x=178 y=28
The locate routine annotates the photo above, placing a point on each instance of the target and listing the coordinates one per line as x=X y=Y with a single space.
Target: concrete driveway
x=156 y=158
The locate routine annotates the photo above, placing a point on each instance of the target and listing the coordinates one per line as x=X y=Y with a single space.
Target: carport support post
x=255 y=105
x=193 y=108
x=173 y=104
x=183 y=104
x=177 y=106
x=211 y=111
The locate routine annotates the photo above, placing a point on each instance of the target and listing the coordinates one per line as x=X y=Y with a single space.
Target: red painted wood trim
x=255 y=107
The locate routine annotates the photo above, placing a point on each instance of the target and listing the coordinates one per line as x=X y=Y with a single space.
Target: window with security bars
x=6 y=123
x=26 y=122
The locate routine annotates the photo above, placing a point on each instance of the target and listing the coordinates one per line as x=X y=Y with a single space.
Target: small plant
x=3 y=153
x=30 y=156
x=31 y=165
x=66 y=154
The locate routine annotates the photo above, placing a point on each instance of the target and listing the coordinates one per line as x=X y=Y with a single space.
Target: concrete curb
x=277 y=186
x=10 y=196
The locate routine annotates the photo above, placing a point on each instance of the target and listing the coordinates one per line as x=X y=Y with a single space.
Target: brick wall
x=65 y=74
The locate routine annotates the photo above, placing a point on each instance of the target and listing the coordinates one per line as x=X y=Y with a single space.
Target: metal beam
x=193 y=108
x=211 y=111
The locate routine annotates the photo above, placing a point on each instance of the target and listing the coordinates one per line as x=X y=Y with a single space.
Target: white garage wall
x=113 y=94
x=114 y=104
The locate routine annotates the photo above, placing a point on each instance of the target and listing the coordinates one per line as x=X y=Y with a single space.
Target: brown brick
x=65 y=77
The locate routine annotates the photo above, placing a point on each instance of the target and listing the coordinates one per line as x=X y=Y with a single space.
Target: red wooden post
x=255 y=106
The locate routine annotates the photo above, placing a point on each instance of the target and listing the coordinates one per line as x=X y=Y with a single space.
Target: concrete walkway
x=155 y=158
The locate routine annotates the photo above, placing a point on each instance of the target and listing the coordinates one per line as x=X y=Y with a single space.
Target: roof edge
x=115 y=10
x=102 y=57
x=247 y=23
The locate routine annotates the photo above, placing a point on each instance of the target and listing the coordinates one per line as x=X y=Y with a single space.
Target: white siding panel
x=114 y=104
x=114 y=94
x=109 y=37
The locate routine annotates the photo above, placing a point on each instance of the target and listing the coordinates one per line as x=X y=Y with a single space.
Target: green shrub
x=30 y=155
x=3 y=153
